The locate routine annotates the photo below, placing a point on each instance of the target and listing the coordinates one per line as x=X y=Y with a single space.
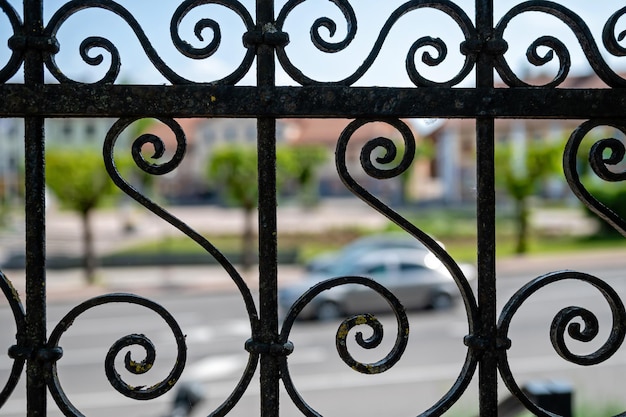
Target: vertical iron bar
x=488 y=375
x=268 y=240
x=35 y=220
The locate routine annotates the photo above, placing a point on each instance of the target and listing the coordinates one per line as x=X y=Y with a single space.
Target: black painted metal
x=34 y=45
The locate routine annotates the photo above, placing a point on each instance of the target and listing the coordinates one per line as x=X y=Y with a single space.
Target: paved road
x=217 y=327
x=67 y=285
x=218 y=333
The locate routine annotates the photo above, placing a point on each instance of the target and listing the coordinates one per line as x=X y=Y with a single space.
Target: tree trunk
x=248 y=246
x=521 y=215
x=89 y=256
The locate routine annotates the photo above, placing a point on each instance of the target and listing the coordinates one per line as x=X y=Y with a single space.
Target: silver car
x=324 y=263
x=415 y=276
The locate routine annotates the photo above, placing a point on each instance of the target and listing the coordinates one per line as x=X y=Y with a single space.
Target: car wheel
x=328 y=310
x=441 y=301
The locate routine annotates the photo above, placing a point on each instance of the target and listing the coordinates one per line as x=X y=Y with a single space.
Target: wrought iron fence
x=33 y=46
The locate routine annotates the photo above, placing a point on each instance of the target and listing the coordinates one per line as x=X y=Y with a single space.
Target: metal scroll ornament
x=564 y=321
x=17 y=43
x=402 y=335
x=578 y=323
x=18 y=352
x=388 y=164
x=200 y=29
x=138 y=393
x=610 y=38
x=605 y=153
x=448 y=7
x=161 y=168
x=496 y=46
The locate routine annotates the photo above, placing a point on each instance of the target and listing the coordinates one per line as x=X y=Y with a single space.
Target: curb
x=68 y=285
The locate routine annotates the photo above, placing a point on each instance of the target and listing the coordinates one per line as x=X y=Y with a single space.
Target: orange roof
x=328 y=131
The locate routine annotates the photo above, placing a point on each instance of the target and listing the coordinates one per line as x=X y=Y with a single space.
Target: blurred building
x=447 y=175
x=60 y=133
x=455 y=139
x=190 y=183
x=416 y=185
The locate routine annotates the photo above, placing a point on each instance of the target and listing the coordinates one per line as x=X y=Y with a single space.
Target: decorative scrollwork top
x=182 y=46
x=609 y=36
x=582 y=33
x=190 y=51
x=448 y=7
x=16 y=43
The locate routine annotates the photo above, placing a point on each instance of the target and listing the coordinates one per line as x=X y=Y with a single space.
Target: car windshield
x=367 y=261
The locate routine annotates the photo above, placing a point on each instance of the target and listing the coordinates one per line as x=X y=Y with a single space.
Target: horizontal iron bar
x=55 y=100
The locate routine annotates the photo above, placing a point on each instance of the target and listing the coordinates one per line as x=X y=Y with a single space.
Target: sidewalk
x=69 y=285
x=63 y=238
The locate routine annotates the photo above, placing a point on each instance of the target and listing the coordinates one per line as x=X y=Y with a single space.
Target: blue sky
x=388 y=69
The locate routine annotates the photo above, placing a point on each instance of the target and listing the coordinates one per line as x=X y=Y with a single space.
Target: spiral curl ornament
x=610 y=38
x=390 y=166
x=212 y=47
x=411 y=69
x=448 y=7
x=138 y=393
x=98 y=42
x=324 y=22
x=579 y=29
x=390 y=150
x=562 y=323
x=19 y=315
x=599 y=163
x=343 y=331
x=370 y=343
x=161 y=169
x=17 y=54
x=75 y=6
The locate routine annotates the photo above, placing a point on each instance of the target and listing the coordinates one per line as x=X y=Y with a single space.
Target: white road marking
x=211 y=368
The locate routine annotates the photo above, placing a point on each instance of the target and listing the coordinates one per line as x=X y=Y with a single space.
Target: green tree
x=78 y=179
x=234 y=170
x=522 y=178
x=301 y=163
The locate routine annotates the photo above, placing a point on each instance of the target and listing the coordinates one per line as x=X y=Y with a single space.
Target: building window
x=251 y=134
x=67 y=128
x=90 y=129
x=230 y=133
x=209 y=136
